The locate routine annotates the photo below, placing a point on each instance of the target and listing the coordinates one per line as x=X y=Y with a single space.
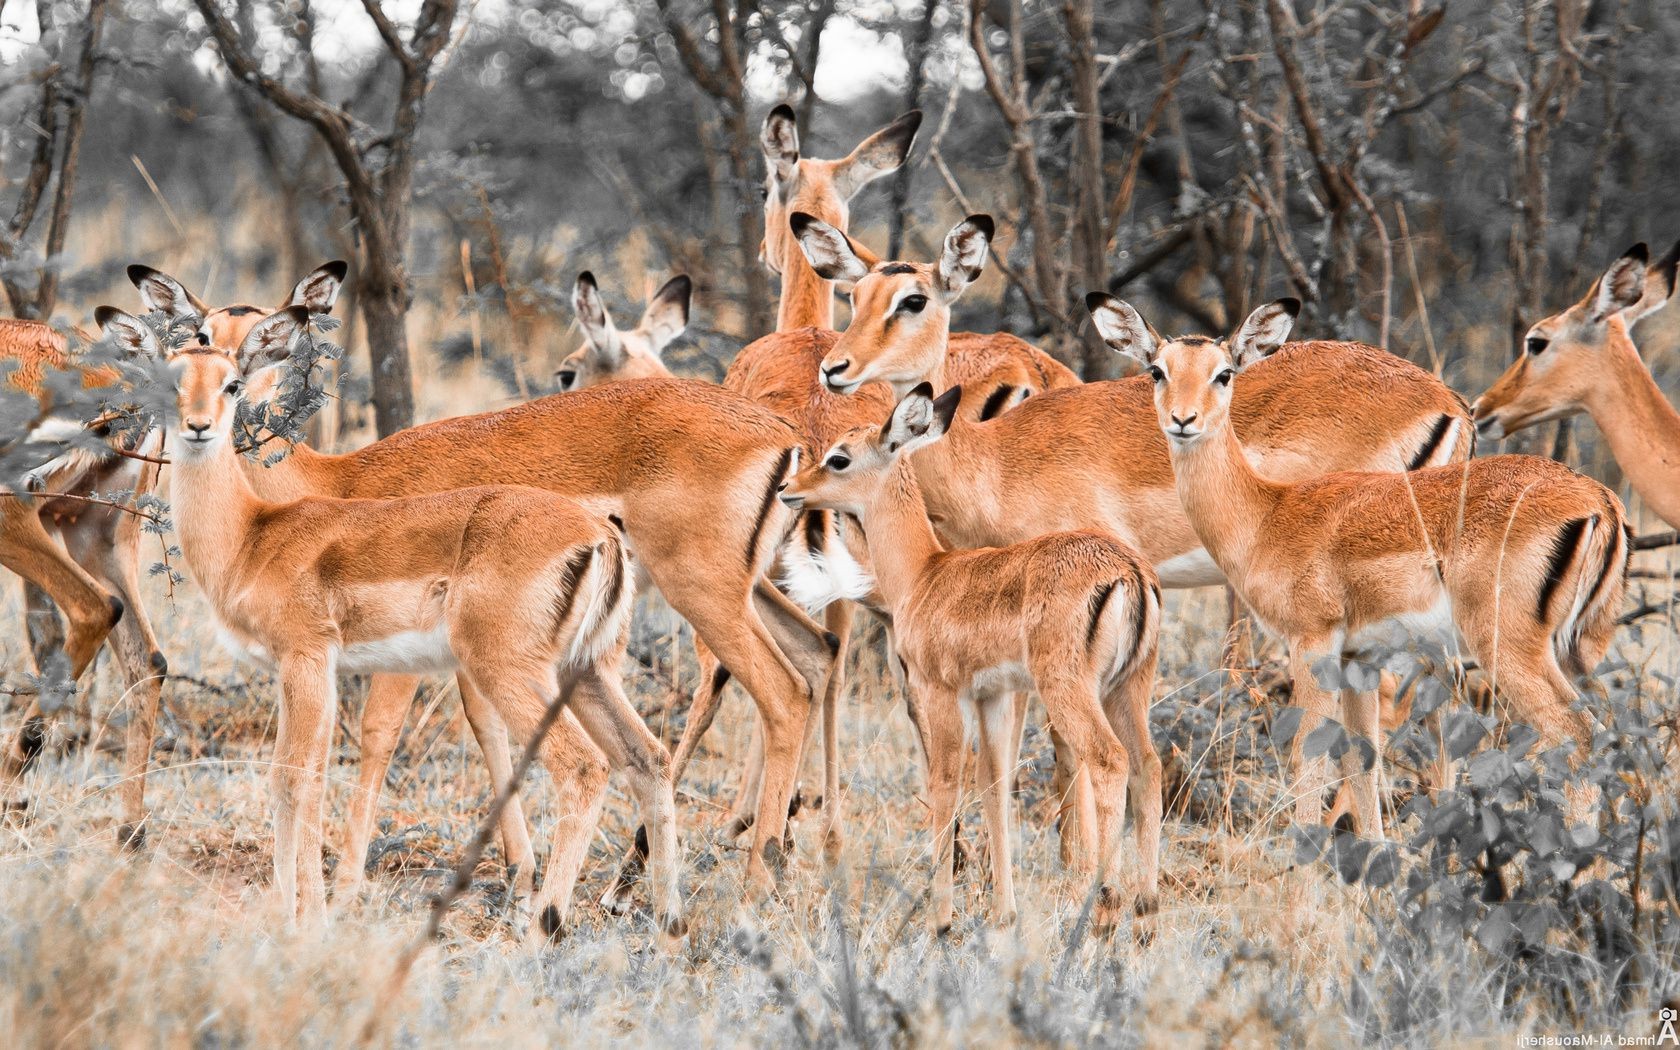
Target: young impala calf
x=1524 y=557
x=1584 y=359
x=1074 y=615
x=520 y=591
x=608 y=354
x=85 y=558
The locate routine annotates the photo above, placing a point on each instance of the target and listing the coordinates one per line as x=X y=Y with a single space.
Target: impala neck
x=807 y=300
x=1223 y=497
x=1643 y=429
x=303 y=472
x=213 y=507
x=900 y=537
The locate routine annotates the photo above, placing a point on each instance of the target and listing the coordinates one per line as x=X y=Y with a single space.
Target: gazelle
x=1583 y=359
x=1075 y=615
x=608 y=354
x=689 y=468
x=1526 y=559
x=521 y=591
x=86 y=558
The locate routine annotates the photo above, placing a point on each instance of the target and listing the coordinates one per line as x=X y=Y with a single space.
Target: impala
x=86 y=558
x=1583 y=359
x=1522 y=557
x=608 y=354
x=689 y=468
x=1074 y=615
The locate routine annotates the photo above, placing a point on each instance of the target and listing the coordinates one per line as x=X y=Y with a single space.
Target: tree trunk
x=915 y=56
x=742 y=142
x=384 y=302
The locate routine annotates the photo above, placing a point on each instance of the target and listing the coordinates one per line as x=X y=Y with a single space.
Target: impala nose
x=832 y=373
x=197 y=431
x=1186 y=421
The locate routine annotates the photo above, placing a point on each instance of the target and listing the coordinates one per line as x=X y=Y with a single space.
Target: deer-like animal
x=691 y=470
x=1075 y=615
x=608 y=353
x=85 y=557
x=1522 y=557
x=1584 y=359
x=521 y=591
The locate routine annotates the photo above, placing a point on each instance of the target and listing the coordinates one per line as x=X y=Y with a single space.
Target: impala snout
x=1181 y=426
x=835 y=379
x=790 y=496
x=1488 y=423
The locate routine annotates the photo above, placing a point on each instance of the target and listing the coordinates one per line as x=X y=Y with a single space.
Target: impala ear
x=1123 y=328
x=1264 y=331
x=964 y=254
x=667 y=312
x=919 y=419
x=1622 y=286
x=319 y=288
x=162 y=293
x=270 y=340
x=780 y=140
x=830 y=252
x=879 y=154
x=1660 y=278
x=593 y=318
x=129 y=332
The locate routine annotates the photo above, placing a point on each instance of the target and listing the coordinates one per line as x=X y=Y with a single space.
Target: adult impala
x=1584 y=359
x=1074 y=615
x=521 y=590
x=1524 y=558
x=689 y=468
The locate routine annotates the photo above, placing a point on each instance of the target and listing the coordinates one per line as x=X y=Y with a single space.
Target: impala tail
x=1584 y=585
x=596 y=594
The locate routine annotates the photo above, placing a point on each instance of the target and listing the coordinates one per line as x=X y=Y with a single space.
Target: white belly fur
x=407 y=652
x=1194 y=569
x=1434 y=624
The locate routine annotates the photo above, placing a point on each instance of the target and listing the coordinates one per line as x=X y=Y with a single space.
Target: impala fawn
x=1583 y=359
x=84 y=557
x=1526 y=559
x=523 y=592
x=1074 y=615
x=689 y=468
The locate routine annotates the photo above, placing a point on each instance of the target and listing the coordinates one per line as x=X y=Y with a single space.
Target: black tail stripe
x=1563 y=554
x=769 y=500
x=1099 y=602
x=995 y=401
x=1138 y=612
x=1613 y=561
x=1430 y=446
x=615 y=584
x=576 y=566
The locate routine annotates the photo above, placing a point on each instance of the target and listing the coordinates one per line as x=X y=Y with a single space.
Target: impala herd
x=1012 y=525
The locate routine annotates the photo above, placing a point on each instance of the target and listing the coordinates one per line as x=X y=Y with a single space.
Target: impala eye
x=1156 y=374
x=234 y=387
x=204 y=339
x=1224 y=377
x=837 y=461
x=1536 y=344
x=913 y=304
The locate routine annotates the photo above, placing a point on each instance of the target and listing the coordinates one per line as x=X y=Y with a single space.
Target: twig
x=1656 y=540
x=49 y=496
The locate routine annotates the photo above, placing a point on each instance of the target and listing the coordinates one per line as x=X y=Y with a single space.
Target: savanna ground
x=1256 y=943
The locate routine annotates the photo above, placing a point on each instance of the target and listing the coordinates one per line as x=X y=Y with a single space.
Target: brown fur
x=1587 y=361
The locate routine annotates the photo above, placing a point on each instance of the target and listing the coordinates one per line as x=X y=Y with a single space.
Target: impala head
x=1563 y=356
x=226 y=327
x=607 y=354
x=845 y=476
x=1192 y=374
x=822 y=188
x=901 y=311
x=209 y=382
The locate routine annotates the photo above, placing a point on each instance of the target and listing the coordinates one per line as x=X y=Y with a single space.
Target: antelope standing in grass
x=1074 y=615
x=1522 y=557
x=84 y=557
x=522 y=592
x=690 y=469
x=1583 y=359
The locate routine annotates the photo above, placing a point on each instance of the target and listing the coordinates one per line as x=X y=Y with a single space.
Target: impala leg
x=1127 y=708
x=612 y=723
x=838 y=618
x=997 y=737
x=1360 y=714
x=1073 y=705
x=939 y=727
x=388 y=700
x=306 y=683
x=492 y=736
x=1311 y=775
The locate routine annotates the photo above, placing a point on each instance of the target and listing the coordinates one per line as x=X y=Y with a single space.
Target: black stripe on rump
x=816 y=528
x=1563 y=553
x=776 y=477
x=1433 y=443
x=576 y=566
x=1099 y=602
x=995 y=401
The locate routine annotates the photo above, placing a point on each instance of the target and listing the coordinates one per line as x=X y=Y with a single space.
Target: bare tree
x=378 y=171
x=66 y=84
